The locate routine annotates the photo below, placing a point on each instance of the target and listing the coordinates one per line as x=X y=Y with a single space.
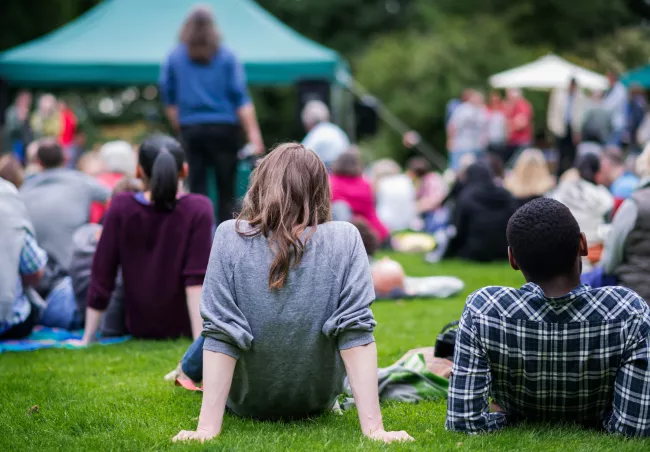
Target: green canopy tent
x=123 y=42
x=638 y=76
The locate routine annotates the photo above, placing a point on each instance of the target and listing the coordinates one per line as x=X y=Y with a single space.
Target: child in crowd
x=553 y=350
x=280 y=332
x=161 y=241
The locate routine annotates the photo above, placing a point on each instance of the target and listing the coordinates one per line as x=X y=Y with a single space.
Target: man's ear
x=184 y=171
x=513 y=262
x=584 y=248
x=139 y=172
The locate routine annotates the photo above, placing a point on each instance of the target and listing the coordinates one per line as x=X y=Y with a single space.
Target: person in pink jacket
x=352 y=194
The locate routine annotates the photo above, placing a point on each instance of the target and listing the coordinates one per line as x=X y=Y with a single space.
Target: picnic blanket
x=45 y=337
x=426 y=287
x=408 y=380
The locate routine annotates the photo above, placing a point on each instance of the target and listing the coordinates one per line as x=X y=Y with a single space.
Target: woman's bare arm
x=361 y=367
x=218 y=370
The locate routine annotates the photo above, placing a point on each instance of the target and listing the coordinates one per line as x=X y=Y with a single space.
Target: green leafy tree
x=416 y=74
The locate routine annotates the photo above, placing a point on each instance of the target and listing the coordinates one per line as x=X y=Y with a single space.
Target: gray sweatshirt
x=287 y=341
x=58 y=201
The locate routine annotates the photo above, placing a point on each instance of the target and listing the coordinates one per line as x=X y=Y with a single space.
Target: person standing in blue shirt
x=203 y=86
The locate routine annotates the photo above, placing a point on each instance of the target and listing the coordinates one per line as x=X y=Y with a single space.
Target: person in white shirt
x=615 y=102
x=395 y=195
x=326 y=139
x=467 y=130
x=565 y=115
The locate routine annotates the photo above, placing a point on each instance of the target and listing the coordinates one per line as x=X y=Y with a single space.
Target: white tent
x=548 y=72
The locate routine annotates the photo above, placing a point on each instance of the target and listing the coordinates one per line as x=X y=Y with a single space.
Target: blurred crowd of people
x=52 y=117
x=111 y=240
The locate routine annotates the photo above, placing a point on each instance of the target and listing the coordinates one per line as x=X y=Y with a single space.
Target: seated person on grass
x=85 y=241
x=22 y=263
x=554 y=350
x=58 y=201
x=161 y=241
x=286 y=306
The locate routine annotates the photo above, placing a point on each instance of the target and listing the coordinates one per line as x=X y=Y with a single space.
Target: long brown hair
x=200 y=35
x=289 y=193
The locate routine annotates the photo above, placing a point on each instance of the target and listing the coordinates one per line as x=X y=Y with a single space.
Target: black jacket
x=481 y=218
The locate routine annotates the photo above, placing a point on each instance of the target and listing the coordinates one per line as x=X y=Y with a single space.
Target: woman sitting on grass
x=161 y=241
x=286 y=305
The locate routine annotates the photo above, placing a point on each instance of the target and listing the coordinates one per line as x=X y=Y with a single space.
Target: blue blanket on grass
x=45 y=337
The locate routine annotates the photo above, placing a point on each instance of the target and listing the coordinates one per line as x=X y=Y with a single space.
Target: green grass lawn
x=114 y=397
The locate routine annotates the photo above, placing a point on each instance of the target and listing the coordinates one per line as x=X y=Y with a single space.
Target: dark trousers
x=567 y=152
x=213 y=147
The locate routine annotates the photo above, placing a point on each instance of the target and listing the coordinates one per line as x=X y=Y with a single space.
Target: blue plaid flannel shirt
x=583 y=358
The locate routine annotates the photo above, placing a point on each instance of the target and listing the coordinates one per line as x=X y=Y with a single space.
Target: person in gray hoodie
x=286 y=305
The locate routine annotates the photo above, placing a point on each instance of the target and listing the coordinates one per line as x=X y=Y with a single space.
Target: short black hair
x=50 y=153
x=544 y=238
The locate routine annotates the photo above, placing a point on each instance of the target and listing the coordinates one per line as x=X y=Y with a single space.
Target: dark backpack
x=446 y=341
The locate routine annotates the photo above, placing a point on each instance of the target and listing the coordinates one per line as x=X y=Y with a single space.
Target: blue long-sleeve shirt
x=204 y=93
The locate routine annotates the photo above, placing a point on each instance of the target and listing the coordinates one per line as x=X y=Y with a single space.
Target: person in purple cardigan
x=162 y=242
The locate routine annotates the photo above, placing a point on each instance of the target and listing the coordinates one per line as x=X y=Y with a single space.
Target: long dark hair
x=161 y=159
x=289 y=193
x=200 y=35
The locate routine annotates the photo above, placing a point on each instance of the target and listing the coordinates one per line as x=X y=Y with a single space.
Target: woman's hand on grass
x=198 y=435
x=390 y=437
x=77 y=343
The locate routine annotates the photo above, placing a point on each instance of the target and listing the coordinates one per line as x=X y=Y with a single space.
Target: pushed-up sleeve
x=225 y=328
x=167 y=83
x=238 y=89
x=352 y=323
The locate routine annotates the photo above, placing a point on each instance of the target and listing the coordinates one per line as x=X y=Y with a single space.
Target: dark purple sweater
x=160 y=254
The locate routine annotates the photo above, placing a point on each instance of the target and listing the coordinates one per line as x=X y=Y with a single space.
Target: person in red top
x=519 y=116
x=68 y=125
x=351 y=190
x=118 y=160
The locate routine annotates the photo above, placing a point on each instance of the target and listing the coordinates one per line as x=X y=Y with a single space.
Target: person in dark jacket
x=480 y=217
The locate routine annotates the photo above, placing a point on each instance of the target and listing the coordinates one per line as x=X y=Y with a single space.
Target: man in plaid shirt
x=553 y=350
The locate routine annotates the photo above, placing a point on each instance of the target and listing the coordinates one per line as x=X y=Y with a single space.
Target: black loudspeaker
x=367 y=119
x=312 y=90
